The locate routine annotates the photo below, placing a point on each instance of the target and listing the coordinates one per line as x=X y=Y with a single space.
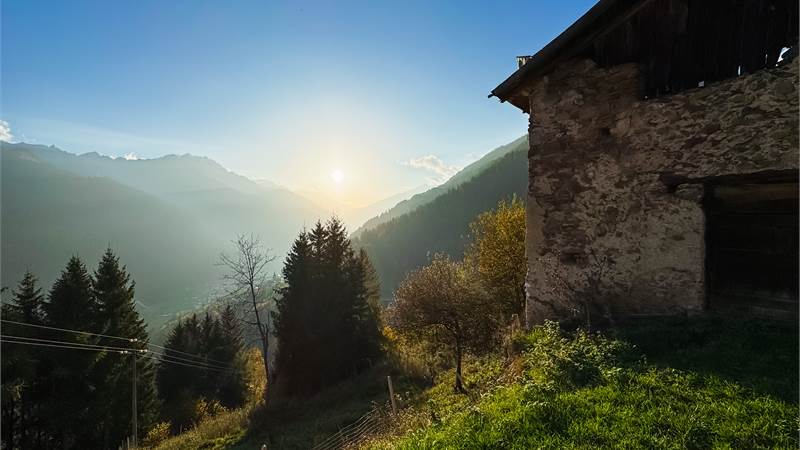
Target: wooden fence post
x=391 y=394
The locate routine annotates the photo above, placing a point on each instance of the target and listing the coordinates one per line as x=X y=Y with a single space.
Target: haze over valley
x=172 y=216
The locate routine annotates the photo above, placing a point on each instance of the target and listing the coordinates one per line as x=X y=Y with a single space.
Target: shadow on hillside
x=756 y=353
x=290 y=423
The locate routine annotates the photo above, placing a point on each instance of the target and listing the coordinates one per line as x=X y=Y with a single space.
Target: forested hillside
x=170 y=216
x=441 y=225
x=464 y=175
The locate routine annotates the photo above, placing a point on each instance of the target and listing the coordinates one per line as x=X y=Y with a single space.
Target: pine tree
x=175 y=381
x=212 y=341
x=326 y=319
x=231 y=327
x=20 y=365
x=27 y=302
x=366 y=308
x=292 y=307
x=232 y=385
x=69 y=385
x=114 y=293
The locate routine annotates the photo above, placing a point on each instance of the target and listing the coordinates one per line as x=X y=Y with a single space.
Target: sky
x=353 y=101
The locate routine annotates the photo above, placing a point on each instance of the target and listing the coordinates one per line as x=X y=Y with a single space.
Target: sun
x=337 y=176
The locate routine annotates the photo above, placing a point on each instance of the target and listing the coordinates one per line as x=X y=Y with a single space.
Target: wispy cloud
x=435 y=165
x=5 y=132
x=131 y=156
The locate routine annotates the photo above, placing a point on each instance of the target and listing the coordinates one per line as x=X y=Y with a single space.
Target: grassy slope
x=681 y=383
x=288 y=423
x=702 y=383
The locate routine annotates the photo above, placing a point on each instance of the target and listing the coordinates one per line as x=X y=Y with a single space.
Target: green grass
x=654 y=409
x=759 y=354
x=692 y=383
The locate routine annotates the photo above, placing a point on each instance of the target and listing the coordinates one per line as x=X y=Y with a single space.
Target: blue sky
x=390 y=94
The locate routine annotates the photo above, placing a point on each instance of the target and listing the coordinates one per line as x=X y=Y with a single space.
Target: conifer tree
x=177 y=383
x=27 y=302
x=212 y=341
x=20 y=365
x=232 y=385
x=292 y=307
x=68 y=414
x=326 y=318
x=114 y=292
x=366 y=308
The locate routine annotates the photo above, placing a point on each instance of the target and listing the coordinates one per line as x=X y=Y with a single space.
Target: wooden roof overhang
x=678 y=43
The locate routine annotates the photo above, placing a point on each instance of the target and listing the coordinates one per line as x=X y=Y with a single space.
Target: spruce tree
x=366 y=309
x=20 y=377
x=209 y=341
x=232 y=385
x=326 y=319
x=176 y=382
x=114 y=292
x=292 y=308
x=71 y=388
x=27 y=302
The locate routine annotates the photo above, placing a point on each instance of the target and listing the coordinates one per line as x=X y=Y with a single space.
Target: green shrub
x=558 y=361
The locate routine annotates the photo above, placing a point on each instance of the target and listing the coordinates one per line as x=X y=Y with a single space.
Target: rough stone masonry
x=616 y=186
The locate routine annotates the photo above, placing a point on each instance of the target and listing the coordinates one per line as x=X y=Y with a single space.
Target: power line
x=77 y=344
x=142 y=352
x=187 y=354
x=201 y=358
x=68 y=330
x=12 y=341
x=113 y=349
x=161 y=358
x=155 y=356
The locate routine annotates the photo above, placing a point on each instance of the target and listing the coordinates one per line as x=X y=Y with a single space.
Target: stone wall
x=615 y=216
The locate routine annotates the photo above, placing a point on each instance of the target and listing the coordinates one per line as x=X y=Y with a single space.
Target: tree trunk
x=524 y=304
x=263 y=330
x=265 y=352
x=459 y=386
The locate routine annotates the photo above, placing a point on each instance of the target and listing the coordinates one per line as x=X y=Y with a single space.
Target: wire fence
x=371 y=423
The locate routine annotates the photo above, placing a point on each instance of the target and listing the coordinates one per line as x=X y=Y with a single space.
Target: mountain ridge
x=453 y=182
x=406 y=240
x=168 y=219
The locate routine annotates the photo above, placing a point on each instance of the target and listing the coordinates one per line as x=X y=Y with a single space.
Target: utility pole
x=133 y=405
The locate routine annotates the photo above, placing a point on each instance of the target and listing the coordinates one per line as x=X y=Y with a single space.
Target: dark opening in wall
x=752 y=246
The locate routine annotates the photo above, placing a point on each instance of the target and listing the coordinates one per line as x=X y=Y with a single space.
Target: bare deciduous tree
x=246 y=273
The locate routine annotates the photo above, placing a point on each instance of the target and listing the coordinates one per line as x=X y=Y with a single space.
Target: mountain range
x=169 y=218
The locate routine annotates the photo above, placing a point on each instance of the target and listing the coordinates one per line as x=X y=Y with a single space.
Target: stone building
x=663 y=161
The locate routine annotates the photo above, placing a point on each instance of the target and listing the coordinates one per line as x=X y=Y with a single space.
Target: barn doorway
x=752 y=247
